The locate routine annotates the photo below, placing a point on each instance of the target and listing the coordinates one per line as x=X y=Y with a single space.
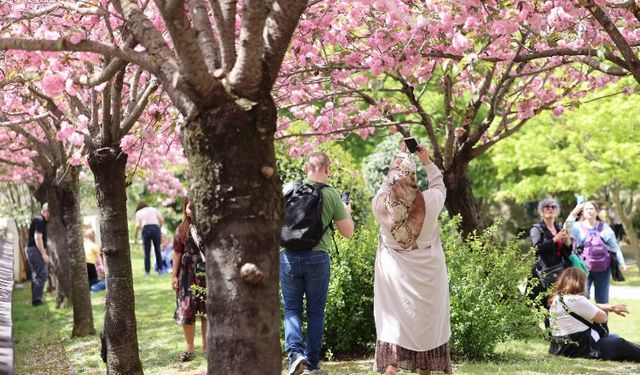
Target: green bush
x=349 y=325
x=487 y=306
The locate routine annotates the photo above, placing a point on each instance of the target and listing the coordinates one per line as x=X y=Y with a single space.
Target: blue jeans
x=151 y=233
x=304 y=273
x=39 y=273
x=601 y=282
x=615 y=348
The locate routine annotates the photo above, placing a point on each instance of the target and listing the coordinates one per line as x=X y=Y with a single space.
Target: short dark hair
x=141 y=205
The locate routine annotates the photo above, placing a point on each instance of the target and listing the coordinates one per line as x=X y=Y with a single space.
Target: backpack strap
x=319 y=186
x=578 y=317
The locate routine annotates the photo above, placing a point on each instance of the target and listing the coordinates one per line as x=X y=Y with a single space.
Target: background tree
x=30 y=122
x=592 y=151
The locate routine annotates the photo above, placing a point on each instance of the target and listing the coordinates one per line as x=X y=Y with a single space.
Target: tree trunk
x=67 y=192
x=238 y=208
x=57 y=248
x=627 y=224
x=460 y=200
x=108 y=167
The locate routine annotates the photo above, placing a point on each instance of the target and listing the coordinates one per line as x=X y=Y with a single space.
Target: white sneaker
x=316 y=371
x=296 y=367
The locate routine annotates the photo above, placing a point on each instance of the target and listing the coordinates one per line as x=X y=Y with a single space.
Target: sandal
x=186 y=356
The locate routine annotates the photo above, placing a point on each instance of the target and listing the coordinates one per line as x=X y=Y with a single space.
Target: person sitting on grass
x=576 y=323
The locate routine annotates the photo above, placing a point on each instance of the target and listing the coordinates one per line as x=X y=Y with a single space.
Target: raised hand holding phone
x=423 y=154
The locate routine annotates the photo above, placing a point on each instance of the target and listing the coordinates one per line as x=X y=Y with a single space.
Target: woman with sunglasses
x=553 y=247
x=588 y=233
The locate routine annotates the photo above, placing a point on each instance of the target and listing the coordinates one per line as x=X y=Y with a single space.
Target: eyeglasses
x=550 y=207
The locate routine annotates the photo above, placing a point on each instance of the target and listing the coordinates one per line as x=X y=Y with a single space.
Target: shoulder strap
x=576 y=316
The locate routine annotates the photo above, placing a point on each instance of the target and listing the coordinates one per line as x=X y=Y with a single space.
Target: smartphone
x=412 y=144
x=345 y=197
x=579 y=199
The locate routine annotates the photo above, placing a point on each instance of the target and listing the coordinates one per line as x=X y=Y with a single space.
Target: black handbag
x=548 y=275
x=616 y=272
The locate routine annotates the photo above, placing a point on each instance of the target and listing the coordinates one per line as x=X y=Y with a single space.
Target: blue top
x=607 y=235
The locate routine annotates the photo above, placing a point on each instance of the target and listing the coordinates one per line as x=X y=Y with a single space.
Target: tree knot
x=251 y=274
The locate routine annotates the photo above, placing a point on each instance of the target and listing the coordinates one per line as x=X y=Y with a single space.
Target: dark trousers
x=615 y=348
x=39 y=273
x=92 y=272
x=151 y=233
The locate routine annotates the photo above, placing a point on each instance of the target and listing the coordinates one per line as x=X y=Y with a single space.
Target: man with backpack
x=311 y=208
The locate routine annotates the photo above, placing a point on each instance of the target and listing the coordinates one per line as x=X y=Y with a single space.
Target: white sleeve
x=437 y=192
x=581 y=306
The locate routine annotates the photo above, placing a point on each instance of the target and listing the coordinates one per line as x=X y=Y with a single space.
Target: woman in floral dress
x=189 y=284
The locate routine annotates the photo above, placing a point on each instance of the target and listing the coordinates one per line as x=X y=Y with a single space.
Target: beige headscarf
x=399 y=204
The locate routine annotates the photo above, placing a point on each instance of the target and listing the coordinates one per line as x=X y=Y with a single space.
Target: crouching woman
x=577 y=325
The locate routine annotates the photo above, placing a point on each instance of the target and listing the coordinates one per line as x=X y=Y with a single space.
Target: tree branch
x=204 y=32
x=140 y=105
x=424 y=116
x=346 y=130
x=633 y=64
x=246 y=75
x=279 y=27
x=63 y=45
x=192 y=63
x=224 y=13
x=606 y=69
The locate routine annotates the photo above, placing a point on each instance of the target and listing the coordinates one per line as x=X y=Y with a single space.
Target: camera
x=345 y=197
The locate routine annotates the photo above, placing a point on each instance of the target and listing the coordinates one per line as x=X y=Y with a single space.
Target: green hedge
x=349 y=325
x=485 y=277
x=485 y=273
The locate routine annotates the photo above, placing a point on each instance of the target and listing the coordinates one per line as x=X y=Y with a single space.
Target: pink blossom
x=52 y=85
x=75 y=159
x=76 y=139
x=76 y=38
x=64 y=132
x=459 y=42
x=558 y=110
x=127 y=142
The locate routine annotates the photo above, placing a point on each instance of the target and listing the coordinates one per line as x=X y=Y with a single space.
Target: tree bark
x=67 y=192
x=238 y=208
x=108 y=167
x=460 y=199
x=57 y=249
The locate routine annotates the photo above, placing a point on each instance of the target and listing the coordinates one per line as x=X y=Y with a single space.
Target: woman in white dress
x=411 y=289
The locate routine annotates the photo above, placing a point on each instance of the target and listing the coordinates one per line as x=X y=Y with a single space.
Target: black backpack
x=302 y=228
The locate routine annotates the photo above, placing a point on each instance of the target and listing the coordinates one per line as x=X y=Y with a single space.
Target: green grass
x=43 y=345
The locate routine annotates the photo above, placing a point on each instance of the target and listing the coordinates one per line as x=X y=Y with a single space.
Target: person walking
x=93 y=257
x=576 y=323
x=304 y=273
x=411 y=288
x=189 y=282
x=37 y=254
x=150 y=220
x=596 y=243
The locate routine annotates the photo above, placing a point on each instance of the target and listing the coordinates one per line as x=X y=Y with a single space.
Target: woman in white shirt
x=150 y=220
x=572 y=317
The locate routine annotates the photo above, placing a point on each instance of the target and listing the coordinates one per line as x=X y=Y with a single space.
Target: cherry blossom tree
x=221 y=84
x=468 y=74
x=30 y=120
